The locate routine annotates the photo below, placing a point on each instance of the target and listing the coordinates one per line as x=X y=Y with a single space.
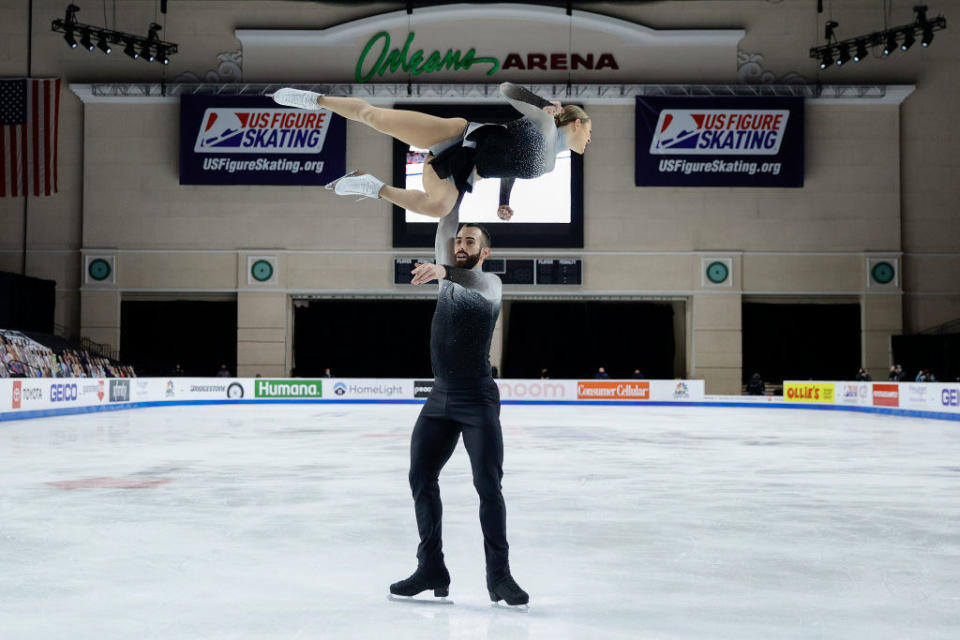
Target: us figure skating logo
x=740 y=132
x=262 y=131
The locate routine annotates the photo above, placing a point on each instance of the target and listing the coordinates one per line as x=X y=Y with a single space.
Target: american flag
x=29 y=126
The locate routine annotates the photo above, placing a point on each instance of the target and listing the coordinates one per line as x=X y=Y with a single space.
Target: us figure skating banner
x=719 y=142
x=252 y=140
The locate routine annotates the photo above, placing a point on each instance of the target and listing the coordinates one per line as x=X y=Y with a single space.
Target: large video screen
x=548 y=211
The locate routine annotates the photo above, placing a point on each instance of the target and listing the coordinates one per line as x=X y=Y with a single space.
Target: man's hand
x=425 y=272
x=504 y=212
x=554 y=108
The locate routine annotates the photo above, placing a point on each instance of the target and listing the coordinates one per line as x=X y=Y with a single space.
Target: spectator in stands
x=223 y=372
x=900 y=372
x=544 y=374
x=863 y=375
x=178 y=370
x=755 y=386
x=494 y=372
x=893 y=373
x=601 y=374
x=327 y=373
x=637 y=374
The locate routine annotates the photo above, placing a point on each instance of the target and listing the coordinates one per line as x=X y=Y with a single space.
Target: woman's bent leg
x=436 y=200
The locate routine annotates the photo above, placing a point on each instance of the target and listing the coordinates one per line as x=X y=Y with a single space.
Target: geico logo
x=63 y=392
x=950 y=397
x=32 y=393
x=531 y=390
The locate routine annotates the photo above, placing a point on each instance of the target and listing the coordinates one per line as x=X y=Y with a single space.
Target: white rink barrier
x=41 y=397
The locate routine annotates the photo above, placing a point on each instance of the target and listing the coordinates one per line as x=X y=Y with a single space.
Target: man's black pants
x=470 y=406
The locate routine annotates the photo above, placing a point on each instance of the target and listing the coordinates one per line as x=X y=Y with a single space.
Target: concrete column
x=881 y=316
x=262 y=334
x=717 y=353
x=100 y=317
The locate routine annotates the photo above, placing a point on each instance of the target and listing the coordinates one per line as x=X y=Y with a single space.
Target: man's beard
x=469 y=262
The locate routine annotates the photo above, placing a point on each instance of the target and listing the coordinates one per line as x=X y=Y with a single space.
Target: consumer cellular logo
x=613 y=390
x=288 y=389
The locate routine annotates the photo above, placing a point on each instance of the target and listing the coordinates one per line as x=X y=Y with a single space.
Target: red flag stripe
x=35 y=132
x=46 y=136
x=56 y=136
x=3 y=163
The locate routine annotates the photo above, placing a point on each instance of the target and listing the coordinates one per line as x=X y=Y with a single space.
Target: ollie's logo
x=262 y=131
x=739 y=132
x=17 y=393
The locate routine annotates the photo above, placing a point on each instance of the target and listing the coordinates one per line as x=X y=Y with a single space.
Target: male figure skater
x=465 y=399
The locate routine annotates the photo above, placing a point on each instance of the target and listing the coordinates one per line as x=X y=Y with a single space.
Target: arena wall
x=881 y=181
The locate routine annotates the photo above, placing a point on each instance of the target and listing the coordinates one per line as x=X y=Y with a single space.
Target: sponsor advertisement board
x=252 y=140
x=288 y=389
x=55 y=395
x=522 y=390
x=613 y=390
x=369 y=389
x=719 y=141
x=808 y=392
x=886 y=394
x=857 y=393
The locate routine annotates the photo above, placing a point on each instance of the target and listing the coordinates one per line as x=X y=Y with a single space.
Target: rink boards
x=40 y=397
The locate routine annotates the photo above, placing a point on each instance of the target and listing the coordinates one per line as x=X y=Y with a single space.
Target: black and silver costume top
x=466 y=314
x=523 y=148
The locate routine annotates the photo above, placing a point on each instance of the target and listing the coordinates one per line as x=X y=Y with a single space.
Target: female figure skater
x=460 y=151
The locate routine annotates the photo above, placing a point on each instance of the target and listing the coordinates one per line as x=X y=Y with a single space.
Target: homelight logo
x=288 y=389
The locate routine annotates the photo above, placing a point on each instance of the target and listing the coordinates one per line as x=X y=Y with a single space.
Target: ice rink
x=290 y=521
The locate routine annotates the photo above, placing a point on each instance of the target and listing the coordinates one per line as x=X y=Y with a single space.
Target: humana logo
x=288 y=389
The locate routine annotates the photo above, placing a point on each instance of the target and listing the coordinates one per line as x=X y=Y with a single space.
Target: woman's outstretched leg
x=411 y=127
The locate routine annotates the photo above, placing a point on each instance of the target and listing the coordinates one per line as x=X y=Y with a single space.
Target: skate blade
x=518 y=608
x=415 y=600
x=330 y=186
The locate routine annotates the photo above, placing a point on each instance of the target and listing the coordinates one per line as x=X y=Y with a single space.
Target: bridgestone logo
x=289 y=389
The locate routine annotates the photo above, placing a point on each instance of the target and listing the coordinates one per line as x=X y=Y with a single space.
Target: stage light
x=891 y=45
x=86 y=41
x=844 y=56
x=907 y=40
x=826 y=61
x=927 y=37
x=150 y=47
x=104 y=45
x=130 y=50
x=861 y=51
x=145 y=52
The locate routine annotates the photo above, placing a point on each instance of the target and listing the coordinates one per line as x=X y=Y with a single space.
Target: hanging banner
x=719 y=142
x=253 y=140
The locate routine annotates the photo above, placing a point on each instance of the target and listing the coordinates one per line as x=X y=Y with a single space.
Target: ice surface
x=290 y=521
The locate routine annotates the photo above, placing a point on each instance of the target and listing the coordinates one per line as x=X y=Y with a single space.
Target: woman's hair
x=570 y=113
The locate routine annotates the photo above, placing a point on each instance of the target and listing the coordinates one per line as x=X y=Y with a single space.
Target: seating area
x=21 y=356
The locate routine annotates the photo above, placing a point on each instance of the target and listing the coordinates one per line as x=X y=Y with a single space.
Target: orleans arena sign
x=462 y=43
